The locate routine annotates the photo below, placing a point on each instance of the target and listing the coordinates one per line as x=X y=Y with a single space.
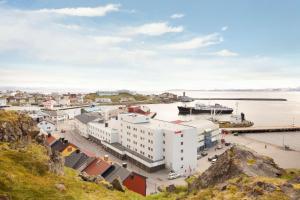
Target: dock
x=243 y=99
x=262 y=129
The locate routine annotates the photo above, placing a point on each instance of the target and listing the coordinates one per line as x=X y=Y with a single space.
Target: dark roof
x=76 y=159
x=88 y=117
x=117 y=171
x=59 y=145
x=50 y=112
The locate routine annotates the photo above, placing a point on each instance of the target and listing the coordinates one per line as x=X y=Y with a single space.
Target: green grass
x=117 y=98
x=24 y=175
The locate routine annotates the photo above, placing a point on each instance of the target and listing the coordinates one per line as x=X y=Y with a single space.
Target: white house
x=3 y=102
x=151 y=144
x=107 y=93
x=81 y=122
x=49 y=104
x=47 y=126
x=103 y=100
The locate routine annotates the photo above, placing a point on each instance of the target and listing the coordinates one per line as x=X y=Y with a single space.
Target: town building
x=208 y=133
x=3 y=102
x=47 y=126
x=55 y=115
x=151 y=144
x=49 y=104
x=126 y=99
x=103 y=100
x=81 y=122
x=107 y=93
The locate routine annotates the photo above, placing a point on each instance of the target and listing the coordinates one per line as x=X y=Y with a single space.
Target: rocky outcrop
x=235 y=162
x=16 y=127
x=56 y=162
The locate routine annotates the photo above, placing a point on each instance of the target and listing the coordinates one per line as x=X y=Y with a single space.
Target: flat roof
x=159 y=124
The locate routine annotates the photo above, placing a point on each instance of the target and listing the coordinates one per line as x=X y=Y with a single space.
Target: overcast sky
x=150 y=45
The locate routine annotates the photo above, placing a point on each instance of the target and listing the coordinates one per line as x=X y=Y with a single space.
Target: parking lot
x=154 y=180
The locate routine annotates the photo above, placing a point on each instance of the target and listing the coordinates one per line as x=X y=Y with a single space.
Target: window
x=181 y=150
x=181 y=143
x=181 y=158
x=181 y=135
x=164 y=142
x=164 y=150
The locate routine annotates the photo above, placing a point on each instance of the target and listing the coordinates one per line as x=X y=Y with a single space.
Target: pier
x=262 y=129
x=243 y=99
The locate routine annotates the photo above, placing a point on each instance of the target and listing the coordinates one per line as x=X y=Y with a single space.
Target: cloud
x=155 y=29
x=224 y=28
x=110 y=40
x=225 y=53
x=197 y=42
x=177 y=16
x=84 y=11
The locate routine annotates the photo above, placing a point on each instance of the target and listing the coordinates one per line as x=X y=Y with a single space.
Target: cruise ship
x=205 y=109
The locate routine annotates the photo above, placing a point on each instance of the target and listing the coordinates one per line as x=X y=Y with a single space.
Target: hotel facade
x=149 y=143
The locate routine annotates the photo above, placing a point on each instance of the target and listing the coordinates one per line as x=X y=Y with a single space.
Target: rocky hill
x=16 y=127
x=241 y=173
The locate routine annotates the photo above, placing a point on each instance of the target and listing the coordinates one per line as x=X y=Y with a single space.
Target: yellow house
x=68 y=150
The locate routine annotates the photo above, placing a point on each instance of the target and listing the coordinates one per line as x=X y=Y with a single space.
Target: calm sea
x=262 y=113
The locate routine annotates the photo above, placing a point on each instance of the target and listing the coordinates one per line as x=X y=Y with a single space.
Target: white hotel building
x=151 y=144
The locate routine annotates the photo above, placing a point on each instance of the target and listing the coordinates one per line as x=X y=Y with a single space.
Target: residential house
x=50 y=140
x=68 y=150
x=76 y=159
x=107 y=93
x=133 y=181
x=127 y=99
x=56 y=115
x=49 y=104
x=3 y=102
x=59 y=145
x=47 y=126
x=103 y=100
x=97 y=167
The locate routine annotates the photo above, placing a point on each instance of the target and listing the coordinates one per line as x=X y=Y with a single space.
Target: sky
x=150 y=45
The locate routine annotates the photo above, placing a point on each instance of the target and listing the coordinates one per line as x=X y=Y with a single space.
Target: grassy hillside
x=24 y=175
x=117 y=98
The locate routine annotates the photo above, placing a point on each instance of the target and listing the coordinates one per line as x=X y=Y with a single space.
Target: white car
x=173 y=175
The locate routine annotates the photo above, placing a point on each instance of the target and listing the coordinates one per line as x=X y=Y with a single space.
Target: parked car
x=213 y=161
x=219 y=147
x=212 y=158
x=198 y=157
x=227 y=143
x=203 y=153
x=63 y=131
x=173 y=175
x=235 y=134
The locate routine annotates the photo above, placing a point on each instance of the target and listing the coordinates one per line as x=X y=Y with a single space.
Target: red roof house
x=97 y=167
x=136 y=182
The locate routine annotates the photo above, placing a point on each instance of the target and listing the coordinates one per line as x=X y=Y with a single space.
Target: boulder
x=60 y=187
x=171 y=188
x=117 y=184
x=56 y=163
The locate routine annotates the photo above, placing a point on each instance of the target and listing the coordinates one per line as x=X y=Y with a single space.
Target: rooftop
x=88 y=117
